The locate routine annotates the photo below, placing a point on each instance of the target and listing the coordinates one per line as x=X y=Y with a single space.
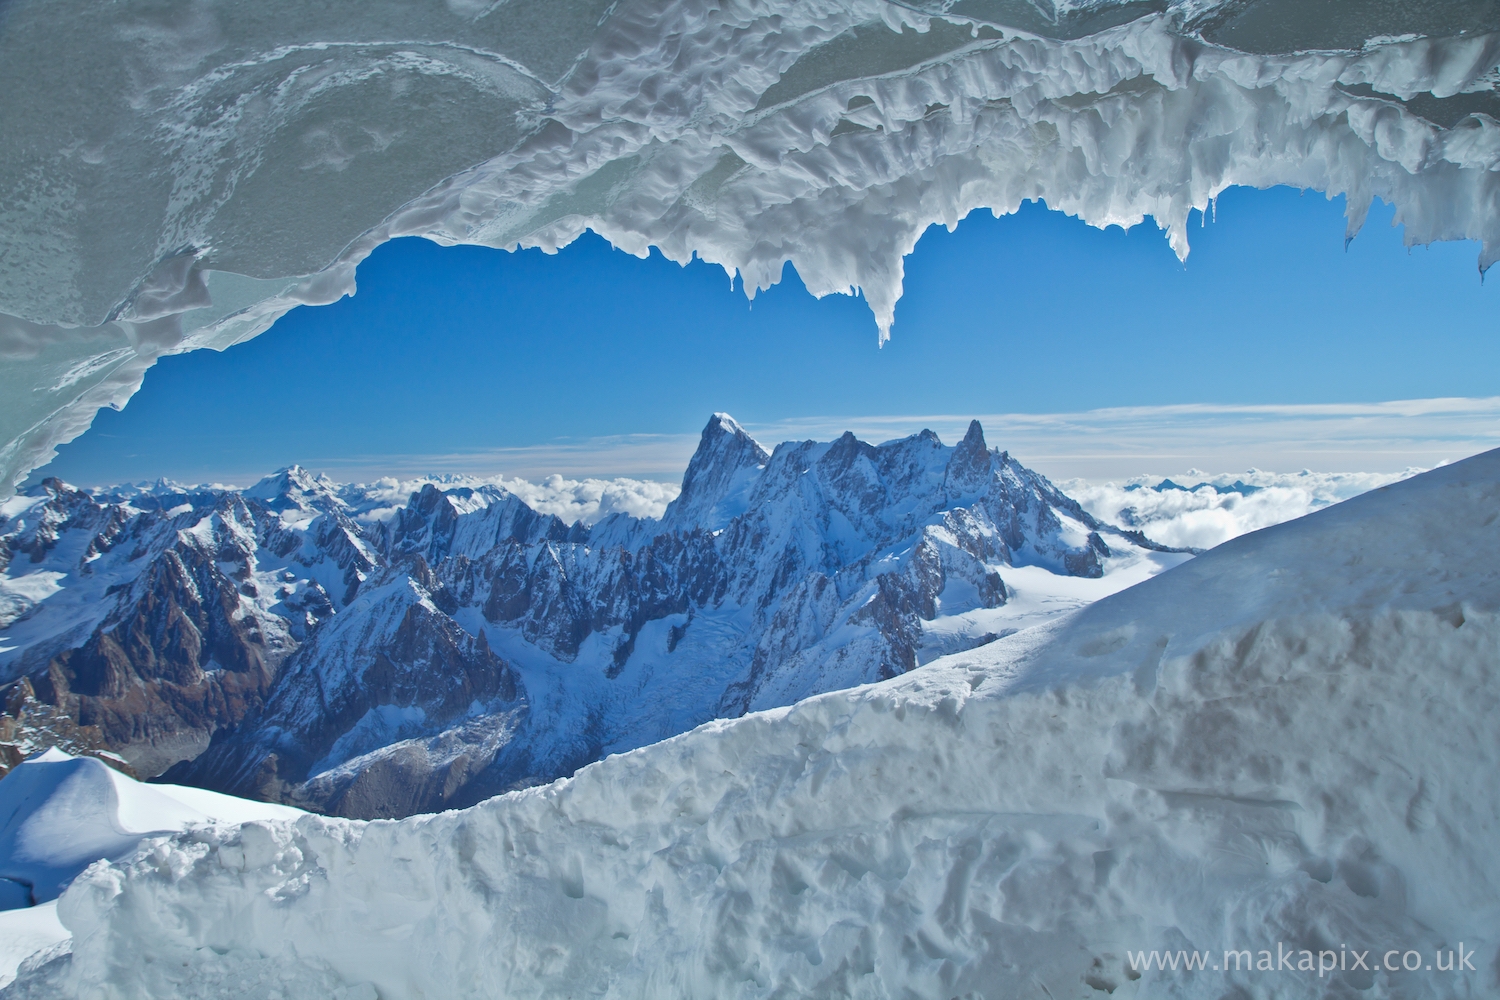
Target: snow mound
x=188 y=175
x=1282 y=745
x=32 y=936
x=59 y=814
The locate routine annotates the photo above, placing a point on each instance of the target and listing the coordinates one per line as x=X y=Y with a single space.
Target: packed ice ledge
x=187 y=175
x=1283 y=743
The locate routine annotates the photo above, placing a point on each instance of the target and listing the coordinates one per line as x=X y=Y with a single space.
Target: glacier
x=1284 y=743
x=188 y=174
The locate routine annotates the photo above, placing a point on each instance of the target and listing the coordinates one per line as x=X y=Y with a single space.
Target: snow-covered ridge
x=188 y=176
x=58 y=814
x=572 y=500
x=1281 y=744
x=773 y=575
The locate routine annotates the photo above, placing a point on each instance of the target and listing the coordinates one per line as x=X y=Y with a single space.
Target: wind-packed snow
x=1197 y=510
x=33 y=934
x=59 y=814
x=1285 y=744
x=187 y=174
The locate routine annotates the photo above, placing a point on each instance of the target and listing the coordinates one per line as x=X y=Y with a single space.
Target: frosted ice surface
x=190 y=172
x=1287 y=740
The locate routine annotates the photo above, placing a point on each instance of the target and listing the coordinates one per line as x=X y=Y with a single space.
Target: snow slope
x=59 y=814
x=189 y=173
x=34 y=935
x=1286 y=743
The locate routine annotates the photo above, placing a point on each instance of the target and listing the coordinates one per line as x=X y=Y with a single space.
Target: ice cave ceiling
x=175 y=174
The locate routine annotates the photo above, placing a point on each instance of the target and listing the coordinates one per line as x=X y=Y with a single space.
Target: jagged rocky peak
x=970 y=465
x=716 y=486
x=469 y=522
x=883 y=490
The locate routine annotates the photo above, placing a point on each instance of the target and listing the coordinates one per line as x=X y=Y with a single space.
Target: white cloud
x=634 y=456
x=1201 y=516
x=586 y=500
x=591 y=500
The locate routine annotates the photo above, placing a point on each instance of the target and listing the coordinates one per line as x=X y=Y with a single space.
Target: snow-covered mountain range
x=306 y=642
x=1273 y=762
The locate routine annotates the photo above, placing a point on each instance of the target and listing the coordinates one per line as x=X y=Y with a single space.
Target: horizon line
x=1120 y=442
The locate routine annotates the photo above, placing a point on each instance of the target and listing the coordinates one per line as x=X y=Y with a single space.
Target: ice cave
x=1284 y=746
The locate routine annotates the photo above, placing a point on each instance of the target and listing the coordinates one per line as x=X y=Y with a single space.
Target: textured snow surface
x=59 y=814
x=191 y=172
x=1286 y=741
x=34 y=935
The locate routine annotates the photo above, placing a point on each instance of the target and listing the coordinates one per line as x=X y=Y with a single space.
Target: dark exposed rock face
x=173 y=654
x=178 y=662
x=28 y=725
x=415 y=668
x=344 y=661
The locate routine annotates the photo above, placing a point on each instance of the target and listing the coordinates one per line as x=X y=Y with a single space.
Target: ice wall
x=175 y=177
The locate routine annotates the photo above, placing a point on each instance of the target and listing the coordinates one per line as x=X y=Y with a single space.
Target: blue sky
x=592 y=360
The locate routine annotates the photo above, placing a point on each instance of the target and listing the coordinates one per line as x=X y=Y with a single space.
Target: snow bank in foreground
x=1199 y=511
x=59 y=814
x=1284 y=744
x=32 y=935
x=190 y=173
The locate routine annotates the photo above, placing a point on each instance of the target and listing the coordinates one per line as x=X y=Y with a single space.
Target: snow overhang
x=175 y=177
